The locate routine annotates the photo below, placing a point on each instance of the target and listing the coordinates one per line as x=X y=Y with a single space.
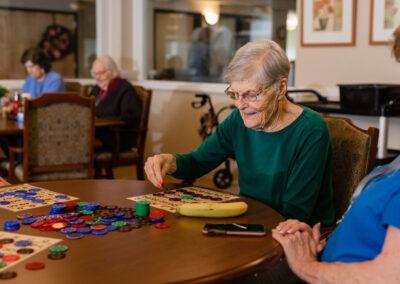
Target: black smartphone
x=234 y=229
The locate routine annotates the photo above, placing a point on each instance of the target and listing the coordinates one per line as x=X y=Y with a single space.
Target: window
x=71 y=43
x=195 y=40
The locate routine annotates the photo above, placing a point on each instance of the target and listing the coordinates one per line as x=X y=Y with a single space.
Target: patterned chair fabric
x=58 y=139
x=59 y=134
x=352 y=150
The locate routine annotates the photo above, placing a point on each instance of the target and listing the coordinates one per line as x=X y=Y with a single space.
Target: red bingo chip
x=88 y=218
x=162 y=225
x=59 y=225
x=10 y=257
x=156 y=214
x=37 y=224
x=98 y=227
x=35 y=265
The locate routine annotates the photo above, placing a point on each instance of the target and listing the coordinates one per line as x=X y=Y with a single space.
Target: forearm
x=342 y=273
x=189 y=167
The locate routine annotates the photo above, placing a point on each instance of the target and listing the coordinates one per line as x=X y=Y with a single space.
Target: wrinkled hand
x=301 y=248
x=292 y=226
x=158 y=166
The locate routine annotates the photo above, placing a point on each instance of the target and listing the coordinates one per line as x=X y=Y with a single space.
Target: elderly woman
x=116 y=98
x=283 y=150
x=41 y=79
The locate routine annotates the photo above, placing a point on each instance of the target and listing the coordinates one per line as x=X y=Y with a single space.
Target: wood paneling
x=20 y=30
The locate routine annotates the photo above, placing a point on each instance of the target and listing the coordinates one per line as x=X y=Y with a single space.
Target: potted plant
x=3 y=91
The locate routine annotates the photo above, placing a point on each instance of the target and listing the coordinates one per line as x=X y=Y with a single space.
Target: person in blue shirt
x=41 y=79
x=365 y=246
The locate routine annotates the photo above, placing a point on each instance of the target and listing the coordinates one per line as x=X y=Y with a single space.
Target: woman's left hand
x=292 y=226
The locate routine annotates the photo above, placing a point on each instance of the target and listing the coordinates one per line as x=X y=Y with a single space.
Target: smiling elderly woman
x=116 y=98
x=283 y=151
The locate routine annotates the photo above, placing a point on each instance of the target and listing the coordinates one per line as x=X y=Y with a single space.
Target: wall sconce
x=211 y=17
x=291 y=21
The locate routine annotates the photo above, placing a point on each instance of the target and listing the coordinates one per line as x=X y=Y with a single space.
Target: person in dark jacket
x=116 y=98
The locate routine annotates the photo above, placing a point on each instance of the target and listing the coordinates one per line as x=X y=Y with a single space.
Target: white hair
x=263 y=59
x=109 y=64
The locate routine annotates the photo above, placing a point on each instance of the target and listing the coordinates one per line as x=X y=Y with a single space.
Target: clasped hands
x=300 y=243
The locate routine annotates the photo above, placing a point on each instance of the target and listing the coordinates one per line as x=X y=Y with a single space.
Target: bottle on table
x=16 y=104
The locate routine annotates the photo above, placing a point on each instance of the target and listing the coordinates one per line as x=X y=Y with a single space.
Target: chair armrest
x=13 y=150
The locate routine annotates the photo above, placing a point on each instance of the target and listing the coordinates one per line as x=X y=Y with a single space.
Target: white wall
x=325 y=67
x=362 y=63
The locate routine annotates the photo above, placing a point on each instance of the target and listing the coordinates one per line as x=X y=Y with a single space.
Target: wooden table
x=149 y=255
x=11 y=127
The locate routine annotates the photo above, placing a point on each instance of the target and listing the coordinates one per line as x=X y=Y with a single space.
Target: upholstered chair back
x=354 y=154
x=58 y=137
x=145 y=98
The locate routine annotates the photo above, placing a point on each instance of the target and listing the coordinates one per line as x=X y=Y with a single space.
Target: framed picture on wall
x=328 y=22
x=384 y=19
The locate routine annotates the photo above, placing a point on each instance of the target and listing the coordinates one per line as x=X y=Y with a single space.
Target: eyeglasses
x=249 y=96
x=98 y=73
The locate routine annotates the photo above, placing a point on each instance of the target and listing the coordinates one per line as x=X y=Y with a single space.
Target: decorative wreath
x=56 y=42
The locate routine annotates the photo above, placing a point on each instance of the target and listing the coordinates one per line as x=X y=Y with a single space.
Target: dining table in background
x=12 y=127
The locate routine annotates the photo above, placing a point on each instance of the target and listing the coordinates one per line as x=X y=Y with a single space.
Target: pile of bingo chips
x=78 y=219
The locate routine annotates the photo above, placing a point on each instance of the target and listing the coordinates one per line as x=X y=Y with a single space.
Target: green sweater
x=289 y=170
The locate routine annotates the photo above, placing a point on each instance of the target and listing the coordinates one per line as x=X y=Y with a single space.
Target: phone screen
x=234 y=229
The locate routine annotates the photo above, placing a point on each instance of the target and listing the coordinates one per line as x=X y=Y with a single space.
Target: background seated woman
x=116 y=98
x=41 y=79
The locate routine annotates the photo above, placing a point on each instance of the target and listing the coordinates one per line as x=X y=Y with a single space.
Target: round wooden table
x=149 y=255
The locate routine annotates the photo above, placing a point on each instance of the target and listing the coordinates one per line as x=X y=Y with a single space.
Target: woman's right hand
x=156 y=167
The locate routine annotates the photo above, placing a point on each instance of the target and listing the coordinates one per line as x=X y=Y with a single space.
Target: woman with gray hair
x=116 y=98
x=283 y=150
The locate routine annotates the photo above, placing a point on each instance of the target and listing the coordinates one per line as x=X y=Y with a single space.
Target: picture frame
x=384 y=18
x=328 y=23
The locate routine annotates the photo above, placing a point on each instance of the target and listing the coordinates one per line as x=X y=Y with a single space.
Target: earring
x=42 y=71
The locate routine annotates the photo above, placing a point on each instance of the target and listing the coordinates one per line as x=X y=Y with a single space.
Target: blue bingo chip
x=11 y=225
x=99 y=232
x=4 y=202
x=111 y=228
x=61 y=196
x=76 y=222
x=28 y=221
x=68 y=230
x=84 y=230
x=74 y=236
x=22 y=243
x=34 y=189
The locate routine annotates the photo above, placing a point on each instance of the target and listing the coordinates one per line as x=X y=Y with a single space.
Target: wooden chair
x=77 y=87
x=58 y=139
x=354 y=155
x=109 y=160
